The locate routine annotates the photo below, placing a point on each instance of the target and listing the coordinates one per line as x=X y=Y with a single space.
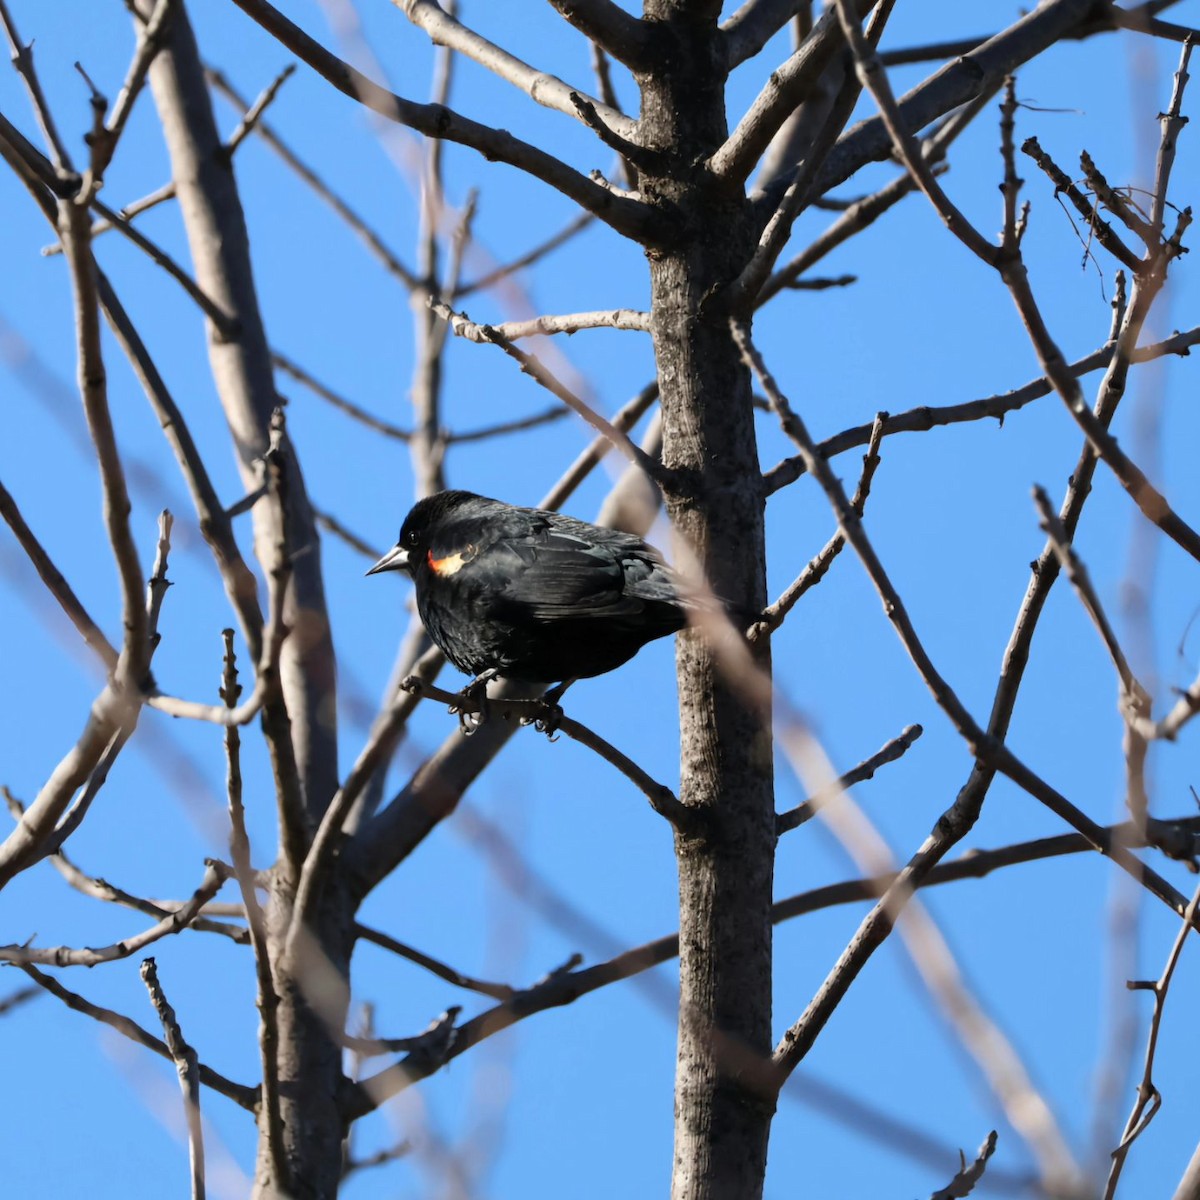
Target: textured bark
x=722 y=1116
x=313 y=991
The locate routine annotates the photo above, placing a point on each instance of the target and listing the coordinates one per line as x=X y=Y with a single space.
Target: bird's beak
x=396 y=559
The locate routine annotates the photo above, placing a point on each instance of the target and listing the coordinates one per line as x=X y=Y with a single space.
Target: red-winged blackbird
x=531 y=595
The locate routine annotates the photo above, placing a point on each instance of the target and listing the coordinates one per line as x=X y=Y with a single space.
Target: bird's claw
x=548 y=719
x=473 y=695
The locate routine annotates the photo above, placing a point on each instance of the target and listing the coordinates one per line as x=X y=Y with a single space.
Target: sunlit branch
x=626 y=215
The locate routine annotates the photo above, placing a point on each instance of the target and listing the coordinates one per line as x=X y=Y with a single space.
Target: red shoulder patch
x=452 y=563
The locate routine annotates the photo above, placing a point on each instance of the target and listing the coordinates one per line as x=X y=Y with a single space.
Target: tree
x=712 y=188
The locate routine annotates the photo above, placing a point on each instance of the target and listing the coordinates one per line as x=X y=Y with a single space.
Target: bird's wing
x=557 y=575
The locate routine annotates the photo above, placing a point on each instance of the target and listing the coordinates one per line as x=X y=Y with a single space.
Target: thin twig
x=22 y=60
x=539 y=86
x=267 y=998
x=801 y=184
x=55 y=582
x=298 y=373
x=613 y=318
x=963 y=1184
x=372 y=240
x=925 y=417
x=1096 y=225
x=774 y=614
x=329 y=522
x=497 y=991
x=889 y=752
x=862 y=213
x=629 y=215
x=662 y=799
x=463 y=327
x=187 y=1063
x=575 y=226
x=266 y=682
x=215 y=875
x=504 y=428
x=1149 y=1099
x=1077 y=574
x=102 y=889
x=254 y=113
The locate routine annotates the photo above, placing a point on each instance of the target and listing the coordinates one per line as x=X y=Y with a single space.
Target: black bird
x=532 y=595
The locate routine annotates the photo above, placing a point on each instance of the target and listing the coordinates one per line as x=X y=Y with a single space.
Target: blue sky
x=578 y=1101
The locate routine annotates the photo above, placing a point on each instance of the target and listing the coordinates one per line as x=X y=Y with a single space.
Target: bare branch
x=1149 y=1100
x=267 y=998
x=1149 y=280
x=568 y=323
x=1096 y=226
x=22 y=60
x=984 y=745
x=166 y=192
x=101 y=889
x=963 y=1184
x=55 y=582
x=63 y=956
x=187 y=1063
x=104 y=140
x=800 y=188
x=298 y=373
x=889 y=752
x=267 y=669
x=504 y=428
x=918 y=420
x=254 y=113
x=955 y=84
x=1079 y=578
x=773 y=616
x=301 y=726
x=574 y=226
x=463 y=327
x=75 y=232
x=611 y=28
x=788 y=87
x=1137 y=20
x=364 y=232
x=542 y=88
x=628 y=216
x=329 y=522
x=870 y=71
x=753 y=25
x=497 y=991
x=861 y=213
x=662 y=799
x=215 y=525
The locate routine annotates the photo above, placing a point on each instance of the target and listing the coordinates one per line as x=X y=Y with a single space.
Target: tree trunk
x=723 y=1102
x=312 y=988
x=313 y=998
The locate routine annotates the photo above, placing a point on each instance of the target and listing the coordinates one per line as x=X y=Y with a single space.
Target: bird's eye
x=413 y=537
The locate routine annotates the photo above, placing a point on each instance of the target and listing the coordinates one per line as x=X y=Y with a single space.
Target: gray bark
x=722 y=1118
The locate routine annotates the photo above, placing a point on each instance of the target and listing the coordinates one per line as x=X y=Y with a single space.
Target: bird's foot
x=548 y=720
x=551 y=715
x=474 y=709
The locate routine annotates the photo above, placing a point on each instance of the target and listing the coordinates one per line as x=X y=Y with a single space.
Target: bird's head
x=418 y=531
